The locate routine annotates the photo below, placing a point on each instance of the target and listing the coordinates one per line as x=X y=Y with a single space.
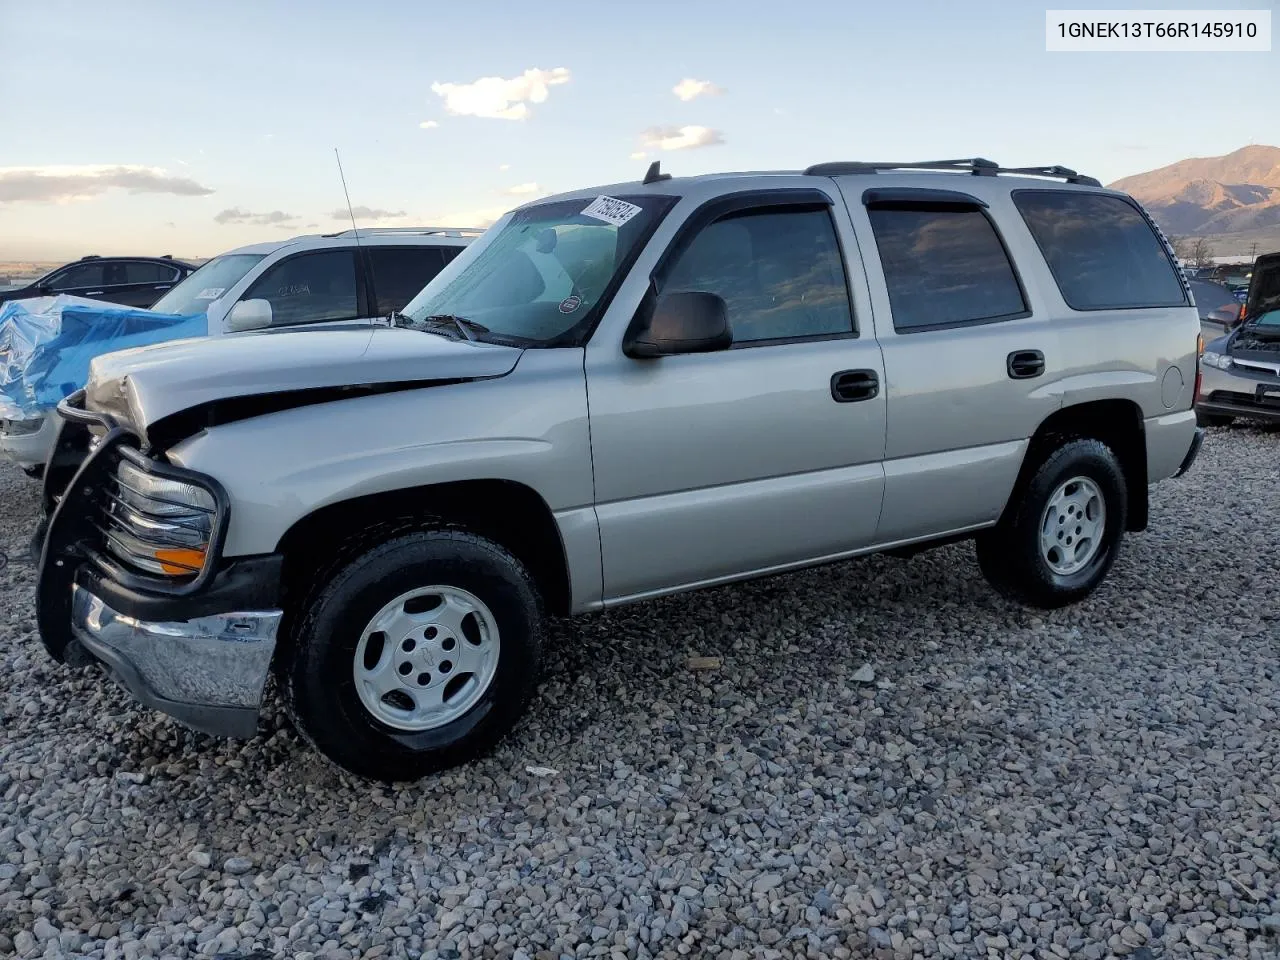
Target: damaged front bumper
x=208 y=672
x=199 y=651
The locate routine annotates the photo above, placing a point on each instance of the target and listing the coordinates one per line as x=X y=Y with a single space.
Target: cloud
x=428 y=124
x=237 y=215
x=499 y=98
x=521 y=189
x=639 y=155
x=470 y=218
x=504 y=167
x=366 y=213
x=681 y=138
x=62 y=183
x=688 y=89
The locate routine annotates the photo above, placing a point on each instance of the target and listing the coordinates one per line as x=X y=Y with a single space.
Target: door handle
x=849 y=386
x=1025 y=364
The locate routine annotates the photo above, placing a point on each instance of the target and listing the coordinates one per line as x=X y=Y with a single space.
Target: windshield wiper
x=432 y=324
x=468 y=328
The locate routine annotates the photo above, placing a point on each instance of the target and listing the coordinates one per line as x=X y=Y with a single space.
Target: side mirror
x=679 y=323
x=249 y=315
x=44 y=290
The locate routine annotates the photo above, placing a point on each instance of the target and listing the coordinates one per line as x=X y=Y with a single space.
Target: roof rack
x=978 y=166
x=453 y=232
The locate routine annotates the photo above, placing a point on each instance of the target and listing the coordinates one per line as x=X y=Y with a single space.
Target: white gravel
x=1099 y=781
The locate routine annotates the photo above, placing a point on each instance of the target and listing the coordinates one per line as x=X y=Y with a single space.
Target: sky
x=141 y=127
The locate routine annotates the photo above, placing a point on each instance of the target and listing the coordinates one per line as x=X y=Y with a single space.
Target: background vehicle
x=1241 y=371
x=285 y=283
x=133 y=281
x=617 y=394
x=1218 y=306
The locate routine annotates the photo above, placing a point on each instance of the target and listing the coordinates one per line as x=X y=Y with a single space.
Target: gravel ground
x=1098 y=781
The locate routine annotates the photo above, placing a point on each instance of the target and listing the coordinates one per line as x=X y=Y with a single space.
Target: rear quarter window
x=1102 y=251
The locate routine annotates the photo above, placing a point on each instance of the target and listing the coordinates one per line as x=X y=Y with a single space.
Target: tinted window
x=78 y=275
x=140 y=271
x=779 y=272
x=400 y=272
x=944 y=267
x=309 y=288
x=1101 y=250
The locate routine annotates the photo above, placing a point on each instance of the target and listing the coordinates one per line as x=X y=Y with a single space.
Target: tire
x=334 y=698
x=1214 y=419
x=1011 y=555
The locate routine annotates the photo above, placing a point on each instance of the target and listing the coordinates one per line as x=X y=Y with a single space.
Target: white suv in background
x=282 y=283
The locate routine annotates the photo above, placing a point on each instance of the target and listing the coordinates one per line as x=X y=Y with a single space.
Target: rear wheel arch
x=1116 y=423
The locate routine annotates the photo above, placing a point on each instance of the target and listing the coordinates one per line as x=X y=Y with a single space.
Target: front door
x=712 y=466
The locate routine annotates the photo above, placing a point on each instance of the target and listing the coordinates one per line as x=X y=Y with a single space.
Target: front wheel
x=1061 y=533
x=417 y=656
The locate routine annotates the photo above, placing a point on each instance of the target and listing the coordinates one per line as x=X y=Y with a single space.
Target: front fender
x=529 y=427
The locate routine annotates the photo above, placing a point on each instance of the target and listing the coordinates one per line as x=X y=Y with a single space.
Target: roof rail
x=978 y=166
x=454 y=232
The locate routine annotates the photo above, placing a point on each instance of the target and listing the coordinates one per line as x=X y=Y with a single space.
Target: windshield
x=538 y=275
x=194 y=294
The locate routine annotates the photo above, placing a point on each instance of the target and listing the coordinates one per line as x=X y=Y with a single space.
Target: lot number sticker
x=611 y=210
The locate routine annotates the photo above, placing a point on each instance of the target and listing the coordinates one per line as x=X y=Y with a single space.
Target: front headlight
x=1219 y=360
x=158 y=524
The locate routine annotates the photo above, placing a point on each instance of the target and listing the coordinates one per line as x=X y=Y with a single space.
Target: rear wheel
x=1061 y=533
x=416 y=656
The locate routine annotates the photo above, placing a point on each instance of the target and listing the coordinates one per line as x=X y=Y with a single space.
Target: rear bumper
x=208 y=672
x=1194 y=452
x=1170 y=439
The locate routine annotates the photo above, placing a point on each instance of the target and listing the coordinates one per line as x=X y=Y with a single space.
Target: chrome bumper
x=208 y=672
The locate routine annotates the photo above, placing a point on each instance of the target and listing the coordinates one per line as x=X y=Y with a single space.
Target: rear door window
x=143 y=271
x=1102 y=250
x=400 y=272
x=944 y=267
x=309 y=288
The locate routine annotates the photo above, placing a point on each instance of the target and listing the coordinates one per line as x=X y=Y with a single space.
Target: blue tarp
x=46 y=344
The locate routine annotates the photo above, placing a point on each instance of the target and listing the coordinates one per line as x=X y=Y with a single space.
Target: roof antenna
x=655 y=174
x=343 y=177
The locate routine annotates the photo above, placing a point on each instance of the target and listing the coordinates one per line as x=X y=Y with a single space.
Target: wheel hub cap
x=1072 y=527
x=426 y=658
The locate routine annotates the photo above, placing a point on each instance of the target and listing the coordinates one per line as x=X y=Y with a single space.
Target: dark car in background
x=130 y=281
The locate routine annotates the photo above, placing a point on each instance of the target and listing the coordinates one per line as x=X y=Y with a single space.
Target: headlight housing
x=159 y=524
x=1219 y=360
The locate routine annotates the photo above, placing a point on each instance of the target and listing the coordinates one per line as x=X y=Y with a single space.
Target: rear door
x=137 y=283
x=965 y=356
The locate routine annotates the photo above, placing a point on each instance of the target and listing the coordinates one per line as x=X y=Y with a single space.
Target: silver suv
x=616 y=394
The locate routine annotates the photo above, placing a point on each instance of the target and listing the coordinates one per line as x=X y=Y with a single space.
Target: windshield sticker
x=570 y=304
x=611 y=210
x=211 y=293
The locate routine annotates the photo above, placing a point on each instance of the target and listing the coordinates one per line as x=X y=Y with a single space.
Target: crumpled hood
x=146 y=384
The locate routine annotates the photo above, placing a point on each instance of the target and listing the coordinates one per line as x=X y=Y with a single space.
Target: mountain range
x=1235 y=197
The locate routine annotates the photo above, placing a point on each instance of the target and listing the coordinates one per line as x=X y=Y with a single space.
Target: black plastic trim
x=922 y=196
x=248 y=583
